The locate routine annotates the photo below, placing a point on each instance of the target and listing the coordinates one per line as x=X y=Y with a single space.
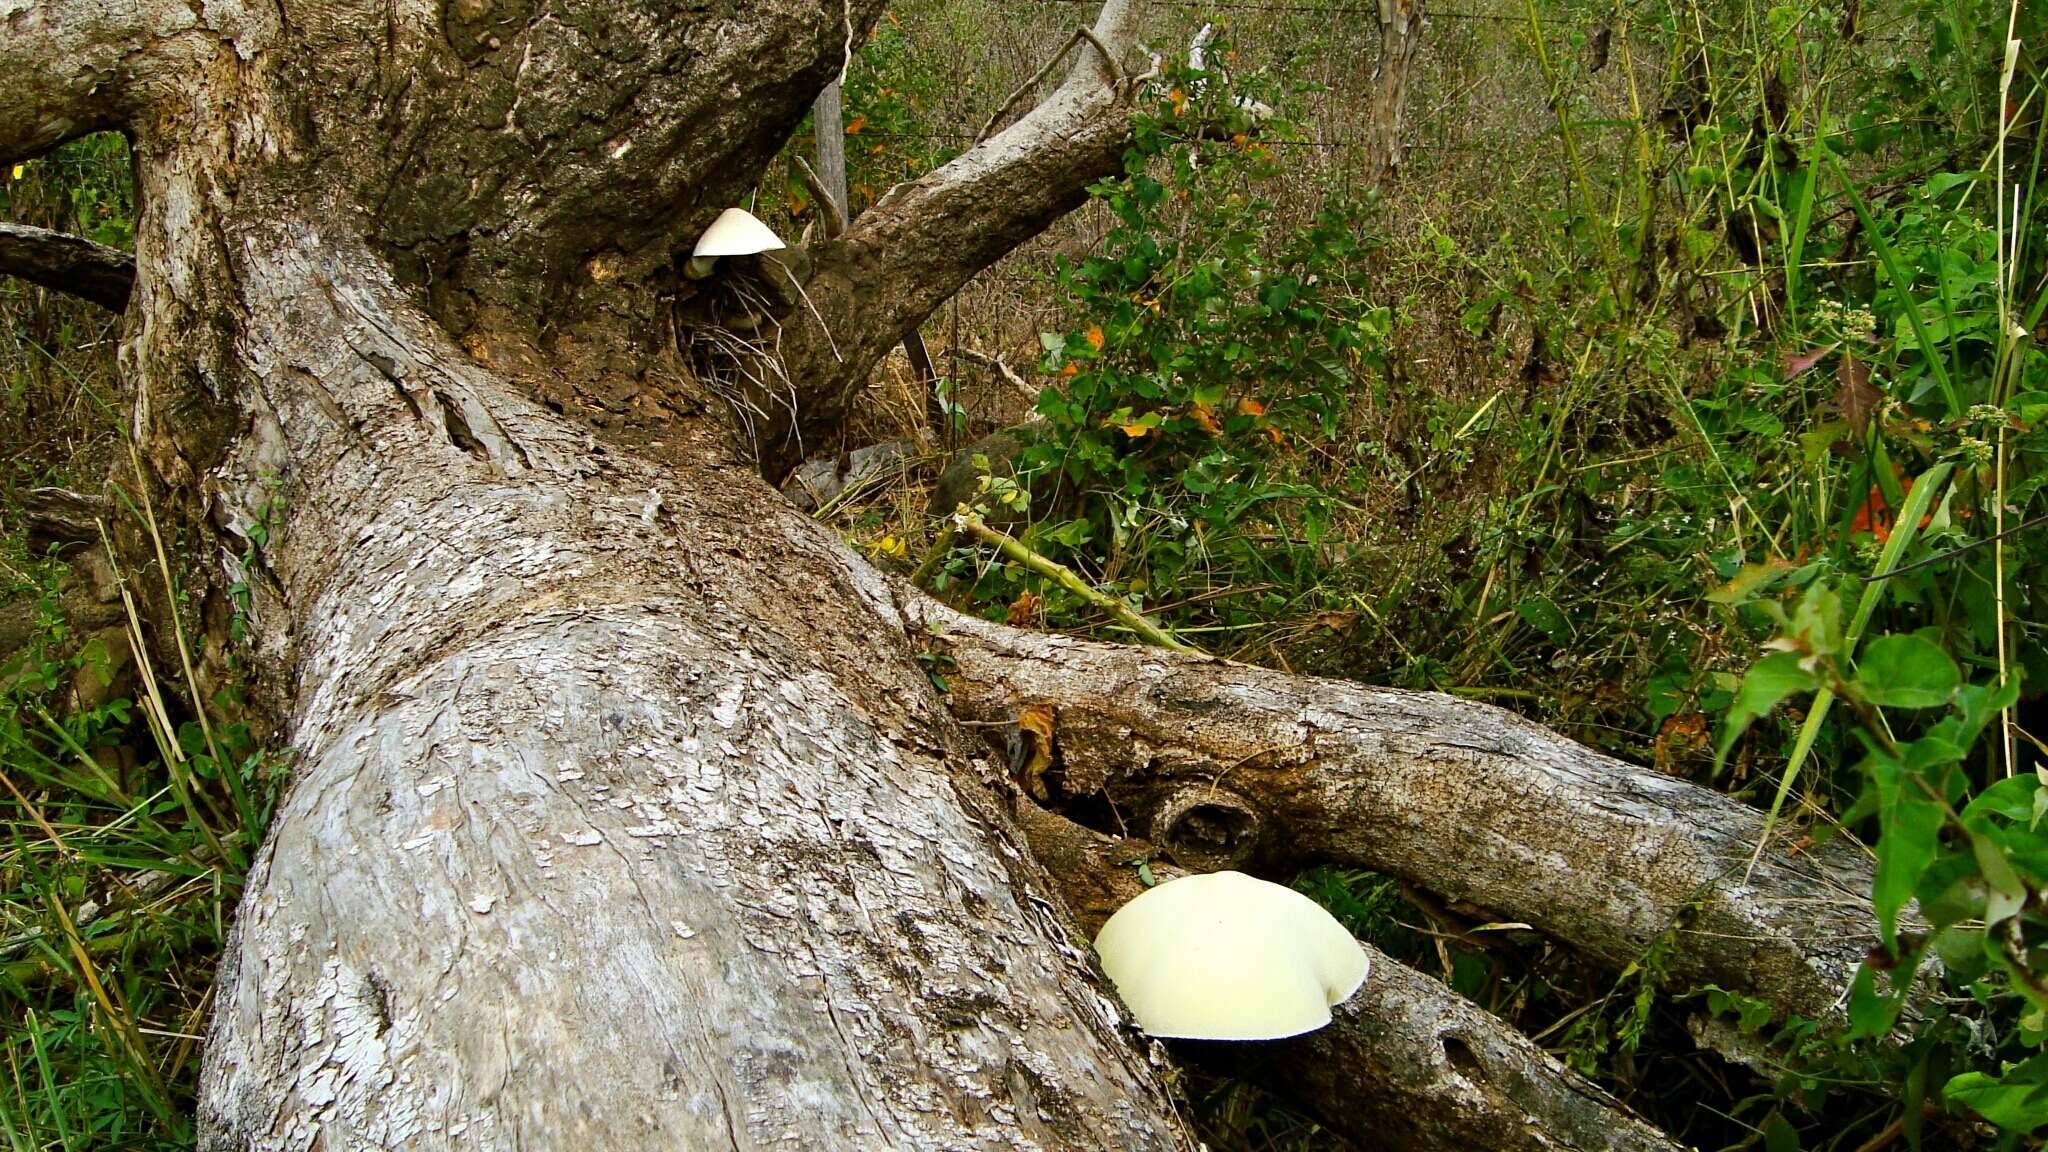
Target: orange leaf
x=1875 y=517
x=1135 y=431
x=1095 y=337
x=1180 y=101
x=1275 y=434
x=1071 y=369
x=1251 y=407
x=856 y=124
x=1205 y=417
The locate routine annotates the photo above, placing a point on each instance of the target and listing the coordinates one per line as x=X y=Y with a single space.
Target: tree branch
x=1406 y=1065
x=926 y=238
x=69 y=264
x=1463 y=799
x=75 y=67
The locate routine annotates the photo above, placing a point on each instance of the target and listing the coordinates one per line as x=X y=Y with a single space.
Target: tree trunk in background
x=1400 y=43
x=828 y=128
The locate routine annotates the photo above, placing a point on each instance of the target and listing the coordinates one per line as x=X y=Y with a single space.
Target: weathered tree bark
x=69 y=264
x=623 y=815
x=592 y=842
x=1400 y=44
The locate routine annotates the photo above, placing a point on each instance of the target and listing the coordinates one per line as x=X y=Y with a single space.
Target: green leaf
x=1872 y=1013
x=1906 y=671
x=1910 y=824
x=1767 y=682
x=1545 y=617
x=2014 y=798
x=1961 y=951
x=2016 y=1101
x=1752 y=579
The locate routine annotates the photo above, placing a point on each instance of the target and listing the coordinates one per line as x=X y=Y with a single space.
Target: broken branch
x=1065 y=577
x=1463 y=799
x=835 y=220
x=69 y=264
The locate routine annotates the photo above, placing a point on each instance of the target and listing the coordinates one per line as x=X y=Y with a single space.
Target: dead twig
x=1116 y=71
x=835 y=222
x=1002 y=369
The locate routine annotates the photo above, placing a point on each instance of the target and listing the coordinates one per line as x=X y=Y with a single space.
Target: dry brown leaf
x=1034 y=738
x=1857 y=398
x=1024 y=609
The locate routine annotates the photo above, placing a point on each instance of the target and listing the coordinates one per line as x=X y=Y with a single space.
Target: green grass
x=117 y=879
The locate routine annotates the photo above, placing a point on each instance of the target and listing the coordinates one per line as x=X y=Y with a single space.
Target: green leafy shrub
x=1212 y=344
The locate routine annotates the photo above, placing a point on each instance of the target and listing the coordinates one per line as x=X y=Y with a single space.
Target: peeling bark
x=592 y=843
x=75 y=67
x=1464 y=799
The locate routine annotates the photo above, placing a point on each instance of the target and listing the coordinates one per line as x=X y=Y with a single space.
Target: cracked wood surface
x=79 y=66
x=621 y=818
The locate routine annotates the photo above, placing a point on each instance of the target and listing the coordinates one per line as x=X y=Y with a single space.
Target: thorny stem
x=966 y=521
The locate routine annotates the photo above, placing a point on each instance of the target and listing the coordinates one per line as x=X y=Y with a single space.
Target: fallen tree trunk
x=623 y=814
x=1226 y=763
x=593 y=843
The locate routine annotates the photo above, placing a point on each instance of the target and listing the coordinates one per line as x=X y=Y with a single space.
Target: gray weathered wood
x=621 y=817
x=829 y=130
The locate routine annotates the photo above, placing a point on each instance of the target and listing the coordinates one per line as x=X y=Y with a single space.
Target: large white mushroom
x=736 y=232
x=1225 y=956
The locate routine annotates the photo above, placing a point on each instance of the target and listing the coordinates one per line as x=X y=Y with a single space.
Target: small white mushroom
x=735 y=233
x=1225 y=956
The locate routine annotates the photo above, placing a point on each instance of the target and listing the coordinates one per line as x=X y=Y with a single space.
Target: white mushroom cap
x=736 y=233
x=1225 y=956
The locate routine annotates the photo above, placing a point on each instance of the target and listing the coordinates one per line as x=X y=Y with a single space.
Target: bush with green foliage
x=1211 y=347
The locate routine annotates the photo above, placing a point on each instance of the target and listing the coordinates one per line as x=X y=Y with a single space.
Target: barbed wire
x=1428 y=13
x=1311 y=10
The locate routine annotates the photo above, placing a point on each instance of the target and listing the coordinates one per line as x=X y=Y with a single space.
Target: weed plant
x=129 y=821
